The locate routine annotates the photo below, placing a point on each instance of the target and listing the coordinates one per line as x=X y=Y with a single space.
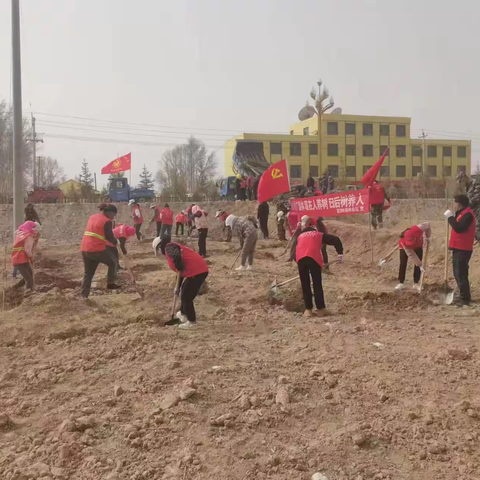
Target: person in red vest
x=180 y=223
x=463 y=225
x=222 y=215
x=377 y=200
x=122 y=234
x=308 y=256
x=137 y=217
x=98 y=232
x=193 y=271
x=250 y=182
x=167 y=222
x=411 y=244
x=26 y=237
x=157 y=218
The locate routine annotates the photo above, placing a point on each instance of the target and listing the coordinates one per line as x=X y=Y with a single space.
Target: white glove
x=448 y=214
x=422 y=269
x=340 y=259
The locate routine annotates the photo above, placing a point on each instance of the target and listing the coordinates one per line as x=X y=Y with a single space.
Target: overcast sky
x=227 y=66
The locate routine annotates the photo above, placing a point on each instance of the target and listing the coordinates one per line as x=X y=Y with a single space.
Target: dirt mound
x=388 y=300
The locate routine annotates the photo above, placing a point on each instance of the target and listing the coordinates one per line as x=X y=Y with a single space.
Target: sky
x=214 y=68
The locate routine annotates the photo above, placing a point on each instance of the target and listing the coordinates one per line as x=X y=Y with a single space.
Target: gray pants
x=248 y=249
x=26 y=271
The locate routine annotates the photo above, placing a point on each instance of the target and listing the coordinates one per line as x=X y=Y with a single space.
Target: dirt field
x=387 y=387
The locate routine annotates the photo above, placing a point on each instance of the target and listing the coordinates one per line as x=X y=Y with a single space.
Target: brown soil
x=386 y=387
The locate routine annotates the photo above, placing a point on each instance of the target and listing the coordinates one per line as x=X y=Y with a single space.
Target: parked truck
x=119 y=191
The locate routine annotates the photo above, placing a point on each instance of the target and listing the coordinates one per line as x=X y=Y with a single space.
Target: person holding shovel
x=122 y=234
x=192 y=270
x=309 y=258
x=137 y=217
x=463 y=225
x=412 y=242
x=246 y=230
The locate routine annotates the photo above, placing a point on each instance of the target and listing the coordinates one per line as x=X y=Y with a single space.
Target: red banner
x=120 y=164
x=274 y=181
x=332 y=205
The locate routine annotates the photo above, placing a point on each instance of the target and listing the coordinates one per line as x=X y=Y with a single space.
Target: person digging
x=308 y=255
x=246 y=230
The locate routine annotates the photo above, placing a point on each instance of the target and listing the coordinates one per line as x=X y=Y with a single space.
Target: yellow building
x=350 y=146
x=70 y=186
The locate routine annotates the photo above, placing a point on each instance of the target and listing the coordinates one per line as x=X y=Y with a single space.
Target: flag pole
x=371 y=234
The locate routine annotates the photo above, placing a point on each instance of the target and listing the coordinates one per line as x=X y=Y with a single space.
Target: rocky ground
x=387 y=387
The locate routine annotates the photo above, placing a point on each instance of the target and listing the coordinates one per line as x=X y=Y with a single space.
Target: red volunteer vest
x=412 y=239
x=242 y=184
x=180 y=218
x=137 y=220
x=18 y=251
x=309 y=244
x=167 y=216
x=377 y=194
x=158 y=214
x=465 y=240
x=94 y=237
x=193 y=262
x=120 y=231
x=249 y=182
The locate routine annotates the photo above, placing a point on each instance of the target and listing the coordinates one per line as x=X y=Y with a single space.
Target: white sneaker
x=241 y=268
x=416 y=286
x=187 y=325
x=181 y=317
x=400 y=286
x=250 y=267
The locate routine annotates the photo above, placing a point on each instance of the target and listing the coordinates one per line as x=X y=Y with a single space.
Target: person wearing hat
x=157 y=218
x=137 y=217
x=222 y=215
x=122 y=234
x=180 y=223
x=26 y=237
x=98 y=235
x=202 y=228
x=246 y=230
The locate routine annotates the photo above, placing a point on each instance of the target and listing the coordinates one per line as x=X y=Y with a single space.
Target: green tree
x=85 y=176
x=114 y=175
x=146 y=180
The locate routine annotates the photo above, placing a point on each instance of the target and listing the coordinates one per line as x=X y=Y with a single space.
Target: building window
x=401 y=151
x=368 y=129
x=432 y=170
x=462 y=152
x=333 y=170
x=367 y=150
x=432 y=151
x=366 y=168
x=401 y=131
x=416 y=151
x=295 y=171
x=401 y=171
x=447 y=171
x=351 y=149
x=462 y=168
x=295 y=149
x=313 y=170
x=291 y=132
x=349 y=129
x=382 y=150
x=313 y=148
x=416 y=171
x=384 y=171
x=275 y=148
x=350 y=172
x=332 y=128
x=447 y=151
x=306 y=131
x=385 y=130
x=332 y=149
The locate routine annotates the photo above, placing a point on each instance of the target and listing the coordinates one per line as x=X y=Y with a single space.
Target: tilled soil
x=386 y=387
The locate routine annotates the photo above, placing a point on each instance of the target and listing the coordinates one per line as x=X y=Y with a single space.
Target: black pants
x=26 y=272
x=460 y=260
x=309 y=267
x=159 y=228
x=181 y=227
x=91 y=261
x=376 y=211
x=114 y=253
x=249 y=193
x=264 y=227
x=138 y=226
x=325 y=255
x=123 y=241
x=403 y=266
x=190 y=288
x=243 y=194
x=202 y=241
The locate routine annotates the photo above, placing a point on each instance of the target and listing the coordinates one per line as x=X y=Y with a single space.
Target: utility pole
x=17 y=117
x=424 y=136
x=34 y=148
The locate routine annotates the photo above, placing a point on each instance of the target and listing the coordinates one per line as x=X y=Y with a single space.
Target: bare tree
x=50 y=173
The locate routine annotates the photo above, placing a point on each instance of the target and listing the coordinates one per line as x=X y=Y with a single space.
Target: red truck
x=46 y=195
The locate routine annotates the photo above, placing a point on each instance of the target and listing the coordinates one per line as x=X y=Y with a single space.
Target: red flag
x=120 y=164
x=371 y=175
x=274 y=181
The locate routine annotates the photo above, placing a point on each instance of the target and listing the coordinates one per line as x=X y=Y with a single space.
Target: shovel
x=235 y=261
x=424 y=261
x=174 y=320
x=446 y=294
x=387 y=257
x=132 y=276
x=287 y=247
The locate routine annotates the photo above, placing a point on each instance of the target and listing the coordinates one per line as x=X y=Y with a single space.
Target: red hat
x=130 y=231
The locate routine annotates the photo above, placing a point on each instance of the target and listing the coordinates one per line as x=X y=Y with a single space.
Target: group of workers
x=246 y=187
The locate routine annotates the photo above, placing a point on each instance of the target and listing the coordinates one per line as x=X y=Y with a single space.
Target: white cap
x=131 y=202
x=230 y=220
x=280 y=214
x=217 y=214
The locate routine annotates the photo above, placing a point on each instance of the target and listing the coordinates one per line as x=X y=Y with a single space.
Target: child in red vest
x=26 y=237
x=193 y=272
x=411 y=243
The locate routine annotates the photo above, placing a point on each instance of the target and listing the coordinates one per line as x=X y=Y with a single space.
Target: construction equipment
x=132 y=276
x=387 y=257
x=174 y=320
